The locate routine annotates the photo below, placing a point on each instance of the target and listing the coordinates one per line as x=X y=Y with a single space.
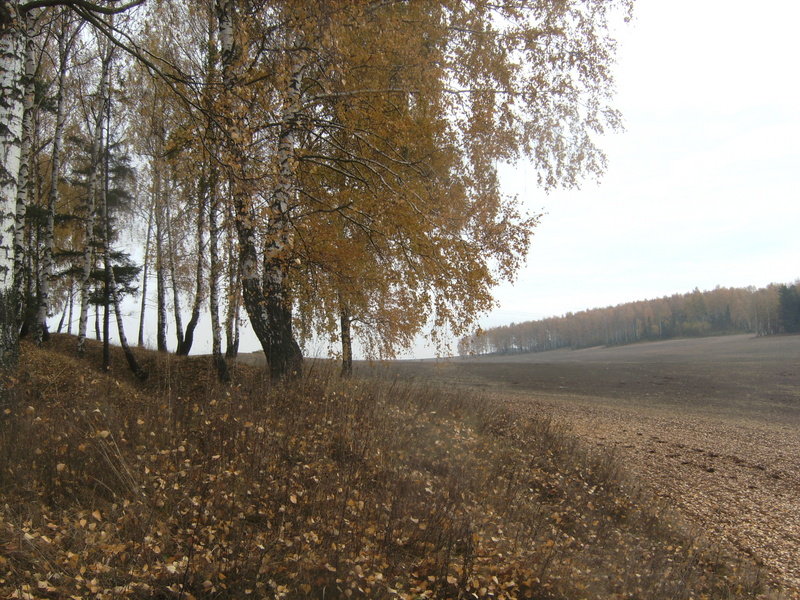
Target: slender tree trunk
x=161 y=296
x=91 y=201
x=71 y=303
x=23 y=275
x=232 y=341
x=97 y=331
x=188 y=338
x=106 y=291
x=123 y=340
x=161 y=279
x=347 y=340
x=213 y=207
x=213 y=284
x=53 y=196
x=62 y=319
x=106 y=224
x=234 y=302
x=11 y=110
x=111 y=295
x=145 y=273
x=176 y=294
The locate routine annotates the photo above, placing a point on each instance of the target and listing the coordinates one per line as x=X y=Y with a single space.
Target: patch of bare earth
x=738 y=481
x=712 y=425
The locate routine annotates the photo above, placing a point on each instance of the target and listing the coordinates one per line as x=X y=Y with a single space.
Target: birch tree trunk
x=282 y=350
x=188 y=338
x=347 y=340
x=91 y=200
x=265 y=298
x=123 y=340
x=11 y=110
x=234 y=302
x=71 y=305
x=106 y=226
x=98 y=335
x=161 y=279
x=22 y=276
x=145 y=273
x=242 y=201
x=212 y=185
x=176 y=294
x=62 y=319
x=213 y=283
x=107 y=266
x=53 y=197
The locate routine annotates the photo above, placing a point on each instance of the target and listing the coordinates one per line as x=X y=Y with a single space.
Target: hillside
x=184 y=488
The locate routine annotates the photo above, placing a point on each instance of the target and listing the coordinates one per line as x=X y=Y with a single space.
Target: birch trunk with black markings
x=12 y=48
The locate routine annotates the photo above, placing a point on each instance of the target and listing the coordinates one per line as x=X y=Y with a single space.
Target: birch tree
x=264 y=294
x=12 y=43
x=391 y=118
x=66 y=32
x=349 y=152
x=22 y=265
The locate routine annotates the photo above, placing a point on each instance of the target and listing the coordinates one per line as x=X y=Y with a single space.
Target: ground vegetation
x=116 y=488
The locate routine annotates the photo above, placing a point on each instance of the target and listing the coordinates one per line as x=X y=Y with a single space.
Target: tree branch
x=90 y=6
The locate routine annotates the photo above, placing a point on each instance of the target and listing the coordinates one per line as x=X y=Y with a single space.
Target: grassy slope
x=321 y=488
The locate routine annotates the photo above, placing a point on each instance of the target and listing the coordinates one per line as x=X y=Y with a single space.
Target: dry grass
x=182 y=488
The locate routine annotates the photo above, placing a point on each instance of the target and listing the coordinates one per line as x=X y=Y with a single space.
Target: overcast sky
x=702 y=188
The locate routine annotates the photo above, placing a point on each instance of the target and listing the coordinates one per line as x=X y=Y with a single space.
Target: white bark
x=11 y=110
x=200 y=225
x=145 y=273
x=212 y=189
x=234 y=302
x=176 y=293
x=161 y=272
x=53 y=197
x=23 y=180
x=224 y=10
x=213 y=281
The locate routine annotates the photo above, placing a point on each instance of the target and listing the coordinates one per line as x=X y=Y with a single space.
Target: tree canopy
x=345 y=154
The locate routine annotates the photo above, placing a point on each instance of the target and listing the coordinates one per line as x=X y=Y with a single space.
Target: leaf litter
x=184 y=488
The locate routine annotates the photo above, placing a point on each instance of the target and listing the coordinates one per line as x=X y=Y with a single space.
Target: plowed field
x=712 y=425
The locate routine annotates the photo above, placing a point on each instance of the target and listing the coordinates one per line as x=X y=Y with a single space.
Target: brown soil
x=712 y=425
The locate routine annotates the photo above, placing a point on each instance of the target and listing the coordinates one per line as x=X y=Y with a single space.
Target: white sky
x=703 y=187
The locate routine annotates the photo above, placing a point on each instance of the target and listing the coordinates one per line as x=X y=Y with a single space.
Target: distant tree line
x=769 y=310
x=789 y=308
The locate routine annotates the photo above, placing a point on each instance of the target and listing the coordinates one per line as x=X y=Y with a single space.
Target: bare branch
x=83 y=4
